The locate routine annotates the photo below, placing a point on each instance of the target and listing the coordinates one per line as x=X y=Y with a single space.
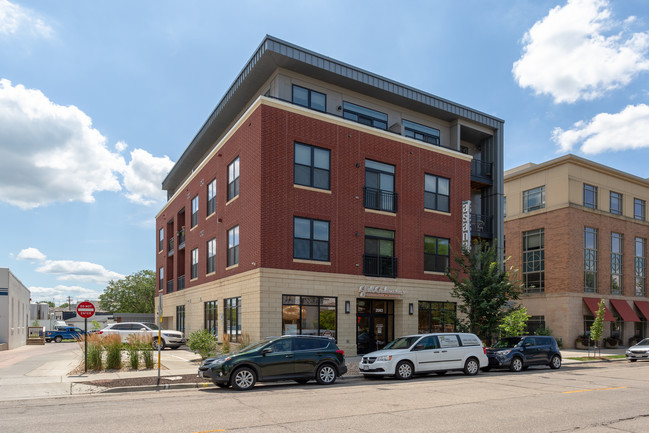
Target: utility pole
x=69 y=302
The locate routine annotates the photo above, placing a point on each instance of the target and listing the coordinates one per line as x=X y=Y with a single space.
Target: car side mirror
x=267 y=350
x=143 y=329
x=418 y=347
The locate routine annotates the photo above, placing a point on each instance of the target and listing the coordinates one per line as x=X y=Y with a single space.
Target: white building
x=14 y=311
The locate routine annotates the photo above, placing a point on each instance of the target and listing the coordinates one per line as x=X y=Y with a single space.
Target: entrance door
x=375 y=324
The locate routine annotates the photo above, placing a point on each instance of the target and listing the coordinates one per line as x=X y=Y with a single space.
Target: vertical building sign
x=466 y=224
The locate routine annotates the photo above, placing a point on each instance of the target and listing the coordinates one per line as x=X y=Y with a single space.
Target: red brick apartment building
x=322 y=199
x=577 y=231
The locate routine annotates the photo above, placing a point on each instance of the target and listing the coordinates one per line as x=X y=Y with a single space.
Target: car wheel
x=485 y=369
x=555 y=362
x=632 y=360
x=58 y=339
x=301 y=381
x=471 y=367
x=243 y=379
x=155 y=344
x=221 y=385
x=326 y=374
x=440 y=373
x=404 y=370
x=516 y=365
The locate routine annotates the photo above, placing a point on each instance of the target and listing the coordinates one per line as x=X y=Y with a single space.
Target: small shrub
x=544 y=331
x=113 y=346
x=202 y=342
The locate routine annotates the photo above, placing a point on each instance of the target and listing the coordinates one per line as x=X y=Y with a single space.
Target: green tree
x=133 y=294
x=597 y=326
x=483 y=286
x=64 y=305
x=514 y=323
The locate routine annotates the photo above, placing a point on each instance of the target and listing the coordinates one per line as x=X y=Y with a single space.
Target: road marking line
x=210 y=431
x=588 y=390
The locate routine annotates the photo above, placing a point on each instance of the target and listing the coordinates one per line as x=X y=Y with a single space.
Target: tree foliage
x=514 y=323
x=483 y=286
x=597 y=326
x=133 y=294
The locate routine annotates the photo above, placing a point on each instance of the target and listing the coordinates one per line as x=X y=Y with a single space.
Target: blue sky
x=98 y=99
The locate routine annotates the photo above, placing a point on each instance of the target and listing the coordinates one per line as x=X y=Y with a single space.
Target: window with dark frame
x=211 y=256
x=309 y=98
x=312 y=166
x=590 y=259
x=194 y=269
x=534 y=323
x=534 y=199
x=436 y=254
x=310 y=239
x=161 y=239
x=436 y=317
x=534 y=261
x=590 y=196
x=195 y=211
x=437 y=192
x=379 y=260
x=180 y=318
x=421 y=132
x=161 y=278
x=211 y=197
x=616 y=262
x=640 y=263
x=233 y=246
x=365 y=116
x=616 y=203
x=232 y=318
x=379 y=187
x=639 y=207
x=233 y=179
x=211 y=317
x=309 y=315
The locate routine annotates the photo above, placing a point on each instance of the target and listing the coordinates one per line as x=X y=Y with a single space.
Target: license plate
x=364 y=367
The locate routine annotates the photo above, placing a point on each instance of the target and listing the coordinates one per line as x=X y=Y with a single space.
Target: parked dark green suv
x=518 y=353
x=290 y=357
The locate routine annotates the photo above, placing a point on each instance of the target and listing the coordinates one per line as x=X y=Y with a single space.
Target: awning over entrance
x=643 y=306
x=625 y=310
x=591 y=303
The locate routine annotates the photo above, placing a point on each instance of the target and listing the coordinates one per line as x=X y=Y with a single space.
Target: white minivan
x=426 y=353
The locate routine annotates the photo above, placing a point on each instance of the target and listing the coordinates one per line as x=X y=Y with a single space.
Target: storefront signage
x=379 y=292
x=466 y=224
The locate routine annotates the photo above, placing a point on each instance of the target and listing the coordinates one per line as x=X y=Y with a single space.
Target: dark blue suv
x=518 y=353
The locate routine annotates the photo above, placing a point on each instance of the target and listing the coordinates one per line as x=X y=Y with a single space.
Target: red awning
x=593 y=306
x=643 y=306
x=625 y=310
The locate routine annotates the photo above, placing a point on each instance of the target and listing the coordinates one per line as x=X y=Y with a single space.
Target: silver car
x=173 y=339
x=639 y=351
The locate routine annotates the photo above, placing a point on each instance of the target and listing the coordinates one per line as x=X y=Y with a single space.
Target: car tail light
x=342 y=352
x=484 y=349
x=100 y=332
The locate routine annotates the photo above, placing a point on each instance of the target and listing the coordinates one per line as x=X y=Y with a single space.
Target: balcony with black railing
x=481 y=225
x=382 y=200
x=170 y=286
x=379 y=266
x=482 y=172
x=181 y=282
x=171 y=247
x=181 y=239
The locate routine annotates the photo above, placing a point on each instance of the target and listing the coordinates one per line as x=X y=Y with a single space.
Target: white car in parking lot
x=173 y=339
x=426 y=353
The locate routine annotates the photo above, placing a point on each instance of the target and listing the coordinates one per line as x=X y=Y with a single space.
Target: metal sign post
x=85 y=310
x=159 y=331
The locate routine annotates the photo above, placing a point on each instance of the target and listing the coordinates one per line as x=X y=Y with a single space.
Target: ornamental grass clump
x=95 y=352
x=133 y=348
x=113 y=347
x=146 y=345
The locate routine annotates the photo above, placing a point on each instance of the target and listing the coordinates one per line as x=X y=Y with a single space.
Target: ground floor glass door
x=374 y=324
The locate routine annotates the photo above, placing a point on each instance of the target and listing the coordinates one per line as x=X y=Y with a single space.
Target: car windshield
x=402 y=343
x=254 y=346
x=508 y=342
x=151 y=325
x=644 y=342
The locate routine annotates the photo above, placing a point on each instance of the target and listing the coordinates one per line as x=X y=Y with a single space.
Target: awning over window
x=625 y=310
x=591 y=303
x=643 y=306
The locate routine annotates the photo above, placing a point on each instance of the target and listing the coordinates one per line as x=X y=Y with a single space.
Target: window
x=590 y=196
x=161 y=279
x=211 y=197
x=590 y=259
x=616 y=203
x=312 y=166
x=233 y=179
x=210 y=317
x=616 y=263
x=309 y=315
x=233 y=246
x=232 y=318
x=534 y=261
x=194 y=263
x=379 y=260
x=436 y=254
x=640 y=266
x=639 y=207
x=310 y=239
x=366 y=116
x=534 y=199
x=180 y=318
x=378 y=192
x=534 y=323
x=421 y=132
x=161 y=239
x=436 y=317
x=437 y=192
x=309 y=98
x=211 y=256
x=195 y=211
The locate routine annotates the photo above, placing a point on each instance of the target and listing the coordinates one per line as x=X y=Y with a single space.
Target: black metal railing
x=481 y=225
x=181 y=282
x=171 y=246
x=170 y=286
x=481 y=170
x=378 y=266
x=380 y=200
x=181 y=239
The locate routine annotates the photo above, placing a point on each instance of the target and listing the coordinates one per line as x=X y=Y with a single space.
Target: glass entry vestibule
x=374 y=324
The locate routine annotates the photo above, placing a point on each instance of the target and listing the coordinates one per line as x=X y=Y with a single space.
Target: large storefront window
x=309 y=315
x=534 y=323
x=436 y=317
x=232 y=318
x=180 y=318
x=210 y=316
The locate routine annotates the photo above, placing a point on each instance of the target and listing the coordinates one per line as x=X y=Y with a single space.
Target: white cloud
x=628 y=129
x=70 y=270
x=15 y=19
x=59 y=294
x=143 y=177
x=31 y=254
x=51 y=153
x=569 y=56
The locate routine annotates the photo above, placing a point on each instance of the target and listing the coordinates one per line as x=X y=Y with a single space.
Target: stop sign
x=86 y=310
